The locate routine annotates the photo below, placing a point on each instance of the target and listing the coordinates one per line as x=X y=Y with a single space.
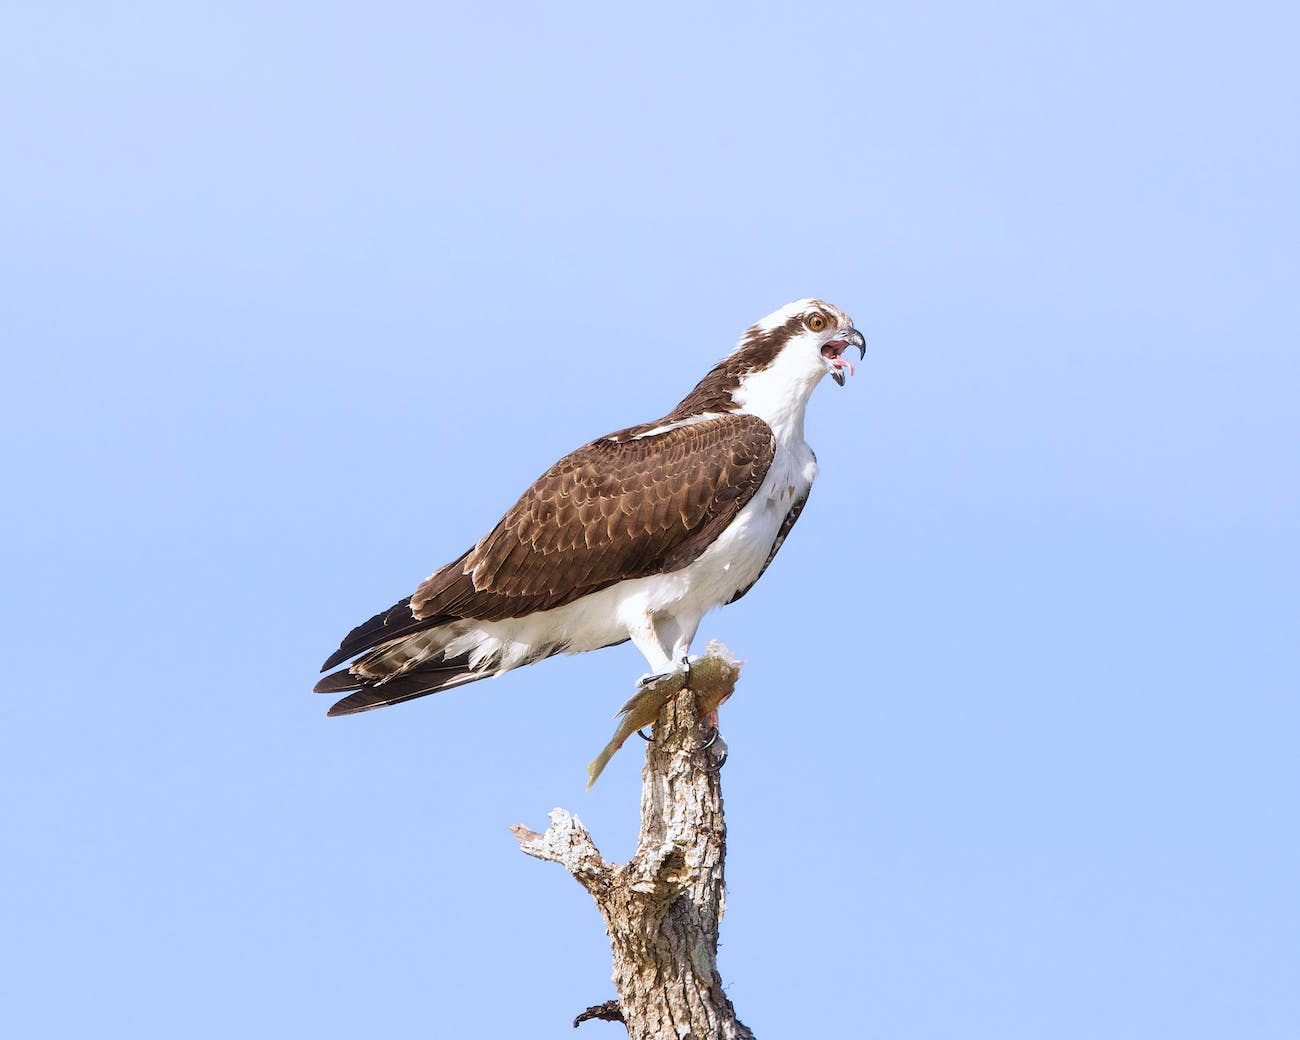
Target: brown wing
x=619 y=507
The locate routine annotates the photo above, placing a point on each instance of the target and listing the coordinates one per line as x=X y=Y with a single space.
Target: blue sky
x=298 y=300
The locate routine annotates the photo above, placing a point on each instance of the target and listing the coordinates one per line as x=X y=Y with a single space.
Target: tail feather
x=417 y=683
x=393 y=623
x=337 y=682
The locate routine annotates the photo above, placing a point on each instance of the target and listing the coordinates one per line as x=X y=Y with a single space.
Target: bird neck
x=779 y=396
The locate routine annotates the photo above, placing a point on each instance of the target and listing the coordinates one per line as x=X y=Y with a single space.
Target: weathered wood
x=662 y=909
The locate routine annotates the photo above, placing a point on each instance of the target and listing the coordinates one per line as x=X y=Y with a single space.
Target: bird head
x=777 y=364
x=806 y=340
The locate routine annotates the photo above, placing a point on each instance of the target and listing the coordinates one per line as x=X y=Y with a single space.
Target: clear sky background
x=297 y=298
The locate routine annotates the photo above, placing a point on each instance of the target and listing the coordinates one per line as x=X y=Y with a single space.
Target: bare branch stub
x=568 y=843
x=662 y=909
x=606 y=1012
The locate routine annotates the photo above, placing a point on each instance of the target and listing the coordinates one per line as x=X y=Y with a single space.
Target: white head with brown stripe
x=781 y=359
x=777 y=364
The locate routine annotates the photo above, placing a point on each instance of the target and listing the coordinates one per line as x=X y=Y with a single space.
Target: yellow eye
x=816 y=322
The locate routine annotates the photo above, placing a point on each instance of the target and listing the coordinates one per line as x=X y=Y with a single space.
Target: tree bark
x=662 y=908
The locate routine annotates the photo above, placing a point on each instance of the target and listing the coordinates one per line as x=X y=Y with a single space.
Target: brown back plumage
x=617 y=508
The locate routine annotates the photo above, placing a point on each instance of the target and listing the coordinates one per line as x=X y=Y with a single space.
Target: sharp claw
x=646 y=681
x=720 y=754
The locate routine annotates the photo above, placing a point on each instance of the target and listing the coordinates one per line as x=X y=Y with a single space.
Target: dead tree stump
x=662 y=908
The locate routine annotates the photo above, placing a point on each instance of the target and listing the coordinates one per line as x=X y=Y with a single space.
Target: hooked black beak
x=833 y=350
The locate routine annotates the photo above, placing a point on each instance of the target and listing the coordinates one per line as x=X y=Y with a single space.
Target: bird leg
x=683 y=669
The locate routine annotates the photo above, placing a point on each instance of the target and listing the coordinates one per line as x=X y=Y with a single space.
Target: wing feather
x=616 y=508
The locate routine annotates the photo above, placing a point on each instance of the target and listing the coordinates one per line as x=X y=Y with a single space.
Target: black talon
x=649 y=680
x=715 y=736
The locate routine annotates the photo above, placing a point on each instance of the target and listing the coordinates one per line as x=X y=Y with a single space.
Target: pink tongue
x=840 y=362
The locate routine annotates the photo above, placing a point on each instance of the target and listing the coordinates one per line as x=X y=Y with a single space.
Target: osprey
x=636 y=535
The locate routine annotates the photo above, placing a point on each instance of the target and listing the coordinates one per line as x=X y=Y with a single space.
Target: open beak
x=833 y=352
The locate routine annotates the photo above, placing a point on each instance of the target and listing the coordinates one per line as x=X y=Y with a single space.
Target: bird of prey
x=636 y=535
